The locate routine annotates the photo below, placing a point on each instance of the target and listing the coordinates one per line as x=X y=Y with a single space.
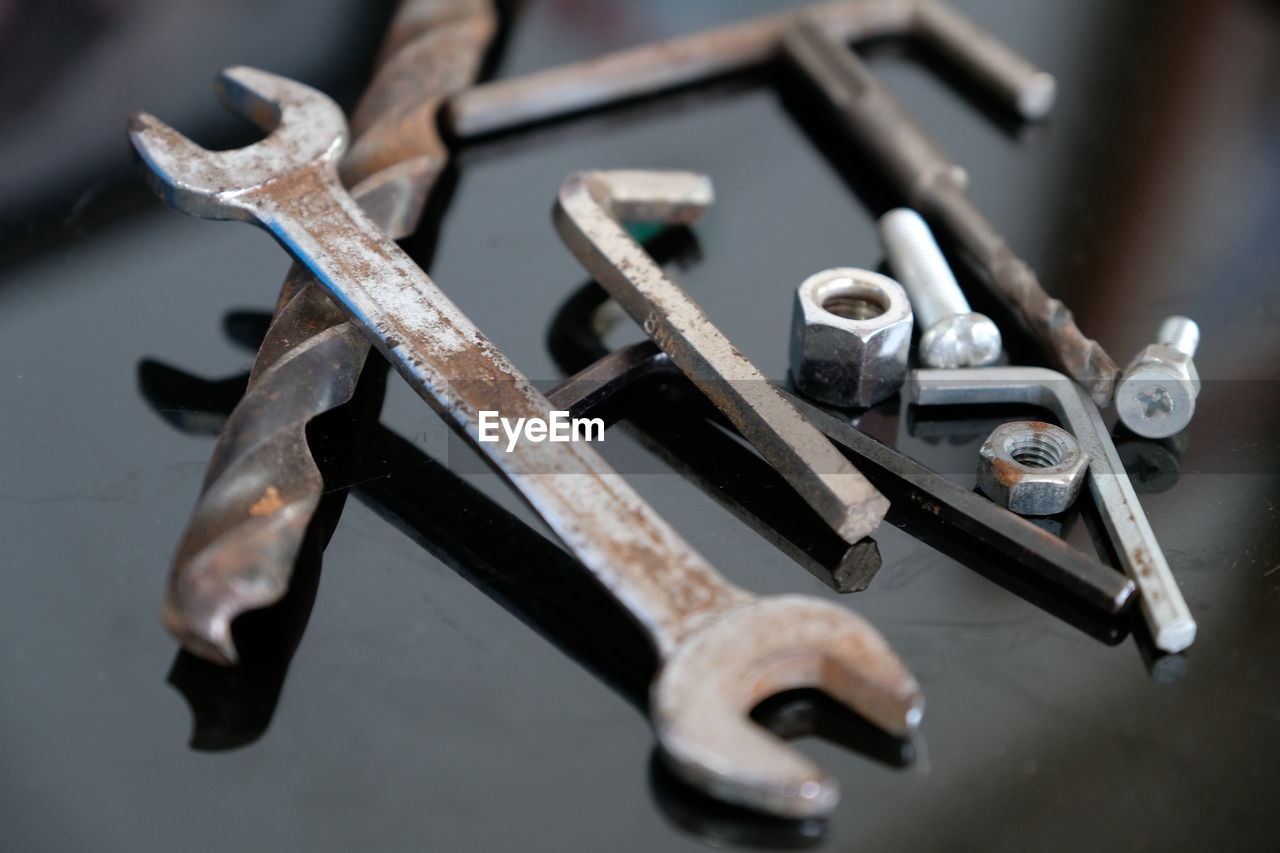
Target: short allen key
x=722 y=649
x=589 y=213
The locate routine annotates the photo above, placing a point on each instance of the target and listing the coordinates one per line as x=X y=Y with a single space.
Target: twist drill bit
x=262 y=485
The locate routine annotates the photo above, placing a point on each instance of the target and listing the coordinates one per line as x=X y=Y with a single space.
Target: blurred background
x=449 y=696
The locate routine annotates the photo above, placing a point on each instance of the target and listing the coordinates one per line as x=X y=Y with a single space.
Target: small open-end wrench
x=1166 y=613
x=588 y=214
x=723 y=650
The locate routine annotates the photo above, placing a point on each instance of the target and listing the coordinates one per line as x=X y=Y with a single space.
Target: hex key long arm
x=588 y=214
x=1166 y=613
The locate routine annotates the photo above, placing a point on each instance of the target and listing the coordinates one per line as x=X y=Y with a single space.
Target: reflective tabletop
x=442 y=675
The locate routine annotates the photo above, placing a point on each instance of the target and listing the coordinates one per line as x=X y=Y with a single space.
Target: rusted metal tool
x=234 y=556
x=1166 y=613
x=924 y=501
x=723 y=650
x=588 y=214
x=673 y=63
x=262 y=485
x=519 y=568
x=936 y=187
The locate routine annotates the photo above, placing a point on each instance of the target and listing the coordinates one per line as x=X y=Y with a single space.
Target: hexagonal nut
x=1156 y=396
x=1032 y=468
x=850 y=337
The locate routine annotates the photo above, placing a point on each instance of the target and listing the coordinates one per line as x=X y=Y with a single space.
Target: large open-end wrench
x=588 y=214
x=723 y=650
x=1166 y=613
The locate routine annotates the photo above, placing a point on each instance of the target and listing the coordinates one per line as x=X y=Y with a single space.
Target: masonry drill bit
x=262 y=485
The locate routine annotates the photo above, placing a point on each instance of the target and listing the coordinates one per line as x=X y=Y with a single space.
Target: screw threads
x=920 y=266
x=1181 y=333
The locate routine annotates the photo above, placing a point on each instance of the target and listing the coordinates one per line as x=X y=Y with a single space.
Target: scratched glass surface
x=460 y=684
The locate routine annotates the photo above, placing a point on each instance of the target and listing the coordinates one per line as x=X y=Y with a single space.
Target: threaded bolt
x=952 y=335
x=1156 y=395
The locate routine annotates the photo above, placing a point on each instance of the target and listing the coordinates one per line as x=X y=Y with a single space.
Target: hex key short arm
x=587 y=215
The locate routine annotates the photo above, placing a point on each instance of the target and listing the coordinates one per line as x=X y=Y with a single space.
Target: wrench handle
x=667 y=586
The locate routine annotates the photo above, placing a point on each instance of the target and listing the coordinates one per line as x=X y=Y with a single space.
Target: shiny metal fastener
x=1156 y=397
x=850 y=337
x=950 y=334
x=1031 y=467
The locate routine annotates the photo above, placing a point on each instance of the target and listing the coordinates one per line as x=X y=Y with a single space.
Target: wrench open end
x=304 y=127
x=723 y=670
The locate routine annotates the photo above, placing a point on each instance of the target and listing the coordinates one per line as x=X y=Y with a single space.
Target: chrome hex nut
x=1032 y=468
x=850 y=337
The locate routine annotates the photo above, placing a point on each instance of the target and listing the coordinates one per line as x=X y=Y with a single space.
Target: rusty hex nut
x=850 y=337
x=1032 y=468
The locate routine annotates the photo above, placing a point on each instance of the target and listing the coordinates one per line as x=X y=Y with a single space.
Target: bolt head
x=961 y=340
x=1032 y=468
x=851 y=335
x=1156 y=396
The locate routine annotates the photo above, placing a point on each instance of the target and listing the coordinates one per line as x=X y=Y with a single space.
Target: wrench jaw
x=702 y=699
x=304 y=127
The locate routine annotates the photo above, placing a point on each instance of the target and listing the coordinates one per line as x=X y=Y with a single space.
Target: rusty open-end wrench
x=723 y=650
x=588 y=214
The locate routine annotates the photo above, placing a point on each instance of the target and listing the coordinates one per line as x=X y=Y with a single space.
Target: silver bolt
x=953 y=336
x=1156 y=396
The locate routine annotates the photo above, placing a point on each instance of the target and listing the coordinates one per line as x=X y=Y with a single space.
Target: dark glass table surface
x=440 y=701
